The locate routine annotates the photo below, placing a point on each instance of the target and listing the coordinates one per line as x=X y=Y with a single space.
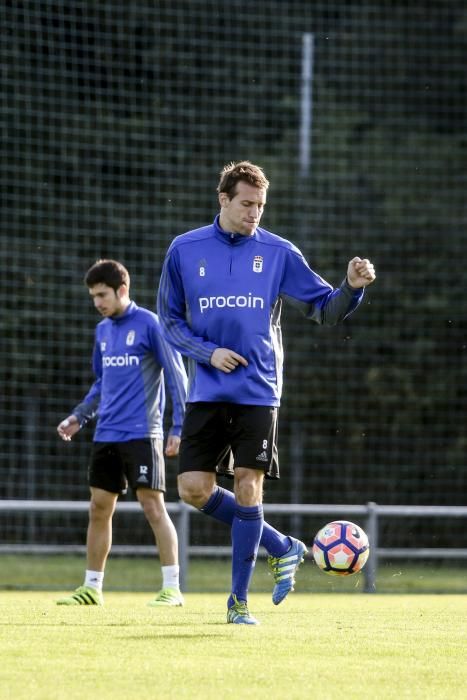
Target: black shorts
x=212 y=432
x=137 y=463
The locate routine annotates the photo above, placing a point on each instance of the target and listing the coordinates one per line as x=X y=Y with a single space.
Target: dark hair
x=109 y=272
x=244 y=171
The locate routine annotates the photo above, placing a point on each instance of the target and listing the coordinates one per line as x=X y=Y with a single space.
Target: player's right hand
x=227 y=360
x=68 y=427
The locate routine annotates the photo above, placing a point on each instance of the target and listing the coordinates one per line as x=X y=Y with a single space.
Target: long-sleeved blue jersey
x=221 y=289
x=131 y=360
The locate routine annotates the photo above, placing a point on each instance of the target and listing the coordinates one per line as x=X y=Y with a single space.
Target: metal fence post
x=372 y=563
x=183 y=543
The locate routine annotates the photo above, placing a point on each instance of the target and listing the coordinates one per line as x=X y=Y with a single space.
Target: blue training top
x=221 y=289
x=131 y=358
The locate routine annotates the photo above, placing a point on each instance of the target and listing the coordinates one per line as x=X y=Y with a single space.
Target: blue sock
x=221 y=506
x=247 y=526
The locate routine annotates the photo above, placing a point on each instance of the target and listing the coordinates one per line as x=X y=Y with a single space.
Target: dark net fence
x=116 y=119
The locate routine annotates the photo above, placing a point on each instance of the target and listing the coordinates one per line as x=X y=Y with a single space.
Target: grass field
x=57 y=572
x=327 y=640
x=319 y=646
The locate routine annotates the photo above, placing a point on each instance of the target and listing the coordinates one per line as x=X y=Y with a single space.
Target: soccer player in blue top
x=219 y=302
x=131 y=360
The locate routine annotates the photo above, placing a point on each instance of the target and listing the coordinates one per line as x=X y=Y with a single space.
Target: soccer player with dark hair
x=219 y=302
x=132 y=363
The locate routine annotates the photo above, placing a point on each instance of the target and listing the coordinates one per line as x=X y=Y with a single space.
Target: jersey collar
x=130 y=310
x=230 y=238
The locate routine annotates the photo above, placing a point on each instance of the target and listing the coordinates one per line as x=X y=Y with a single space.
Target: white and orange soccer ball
x=341 y=548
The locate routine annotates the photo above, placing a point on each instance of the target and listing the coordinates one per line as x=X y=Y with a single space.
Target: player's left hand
x=172 y=446
x=360 y=273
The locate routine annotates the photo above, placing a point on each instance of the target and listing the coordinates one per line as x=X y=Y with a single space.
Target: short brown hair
x=244 y=171
x=109 y=272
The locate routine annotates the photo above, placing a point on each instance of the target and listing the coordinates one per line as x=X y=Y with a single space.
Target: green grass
x=317 y=646
x=36 y=572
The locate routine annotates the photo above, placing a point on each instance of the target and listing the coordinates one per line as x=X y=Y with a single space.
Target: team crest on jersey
x=258 y=263
x=130 y=339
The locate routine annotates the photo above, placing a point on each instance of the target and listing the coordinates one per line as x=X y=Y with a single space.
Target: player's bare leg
x=98 y=544
x=165 y=535
x=99 y=536
x=195 y=488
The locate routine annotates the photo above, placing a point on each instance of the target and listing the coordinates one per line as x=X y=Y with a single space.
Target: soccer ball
x=341 y=548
